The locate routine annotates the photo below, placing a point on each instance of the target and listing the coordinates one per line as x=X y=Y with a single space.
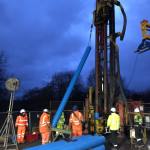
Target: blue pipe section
x=80 y=143
x=85 y=143
x=101 y=147
x=55 y=145
x=70 y=87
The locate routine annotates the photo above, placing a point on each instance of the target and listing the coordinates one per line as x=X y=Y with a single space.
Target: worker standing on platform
x=75 y=121
x=113 y=123
x=21 y=125
x=138 y=125
x=45 y=127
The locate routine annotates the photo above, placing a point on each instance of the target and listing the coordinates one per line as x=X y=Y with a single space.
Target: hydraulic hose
x=121 y=34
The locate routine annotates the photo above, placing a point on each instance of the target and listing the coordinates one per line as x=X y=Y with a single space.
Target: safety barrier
x=80 y=143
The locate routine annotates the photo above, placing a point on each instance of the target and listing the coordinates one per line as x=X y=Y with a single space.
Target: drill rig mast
x=106 y=56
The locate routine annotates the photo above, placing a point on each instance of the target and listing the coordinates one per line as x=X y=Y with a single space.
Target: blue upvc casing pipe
x=84 y=142
x=70 y=87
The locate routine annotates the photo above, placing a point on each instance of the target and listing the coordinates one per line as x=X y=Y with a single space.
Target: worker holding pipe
x=113 y=123
x=45 y=127
x=21 y=125
x=75 y=121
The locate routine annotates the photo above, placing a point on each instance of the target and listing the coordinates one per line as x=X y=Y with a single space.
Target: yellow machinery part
x=145 y=26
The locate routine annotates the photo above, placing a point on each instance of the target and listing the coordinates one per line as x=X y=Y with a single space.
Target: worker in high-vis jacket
x=75 y=121
x=61 y=122
x=45 y=127
x=113 y=123
x=21 y=125
x=138 y=120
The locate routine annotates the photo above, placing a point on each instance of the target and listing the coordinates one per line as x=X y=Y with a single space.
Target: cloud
x=44 y=37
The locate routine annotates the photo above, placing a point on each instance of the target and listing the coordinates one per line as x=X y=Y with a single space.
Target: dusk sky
x=42 y=37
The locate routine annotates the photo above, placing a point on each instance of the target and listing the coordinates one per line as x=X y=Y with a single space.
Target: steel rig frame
x=108 y=88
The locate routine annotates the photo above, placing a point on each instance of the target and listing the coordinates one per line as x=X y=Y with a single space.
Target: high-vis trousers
x=45 y=137
x=76 y=130
x=20 y=134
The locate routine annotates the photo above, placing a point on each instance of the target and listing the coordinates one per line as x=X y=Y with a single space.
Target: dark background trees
x=41 y=97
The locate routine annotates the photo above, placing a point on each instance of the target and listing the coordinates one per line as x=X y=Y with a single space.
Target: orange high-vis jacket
x=76 y=118
x=44 y=124
x=21 y=121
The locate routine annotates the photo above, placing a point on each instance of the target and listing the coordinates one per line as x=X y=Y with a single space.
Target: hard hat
x=22 y=111
x=45 y=110
x=75 y=107
x=136 y=110
x=113 y=109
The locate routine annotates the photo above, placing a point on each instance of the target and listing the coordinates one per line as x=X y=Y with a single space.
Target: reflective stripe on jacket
x=113 y=122
x=22 y=120
x=76 y=118
x=44 y=124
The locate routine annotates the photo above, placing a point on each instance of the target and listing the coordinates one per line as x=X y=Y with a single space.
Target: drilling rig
x=108 y=88
x=145 y=44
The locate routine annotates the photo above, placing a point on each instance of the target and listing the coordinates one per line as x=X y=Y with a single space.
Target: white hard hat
x=113 y=109
x=45 y=110
x=136 y=110
x=22 y=111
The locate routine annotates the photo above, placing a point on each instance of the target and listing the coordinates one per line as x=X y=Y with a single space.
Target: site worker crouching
x=45 y=127
x=75 y=121
x=138 y=120
x=113 y=123
x=21 y=125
